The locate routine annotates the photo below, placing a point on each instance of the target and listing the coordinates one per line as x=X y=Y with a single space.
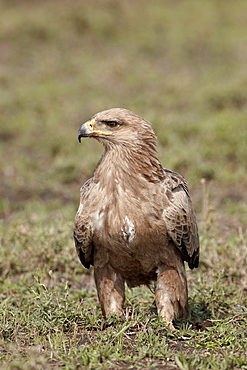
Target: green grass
x=182 y=66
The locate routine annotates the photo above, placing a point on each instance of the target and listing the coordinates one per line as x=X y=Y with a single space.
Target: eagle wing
x=180 y=217
x=83 y=228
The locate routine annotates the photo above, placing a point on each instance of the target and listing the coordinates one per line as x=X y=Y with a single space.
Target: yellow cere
x=91 y=124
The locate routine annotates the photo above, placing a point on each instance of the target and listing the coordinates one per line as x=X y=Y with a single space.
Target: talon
x=170 y=327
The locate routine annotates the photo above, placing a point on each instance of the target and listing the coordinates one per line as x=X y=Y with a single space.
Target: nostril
x=90 y=125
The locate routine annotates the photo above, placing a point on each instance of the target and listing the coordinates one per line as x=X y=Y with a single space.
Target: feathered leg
x=110 y=288
x=172 y=293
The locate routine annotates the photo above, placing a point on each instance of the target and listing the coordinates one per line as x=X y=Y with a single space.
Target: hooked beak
x=86 y=129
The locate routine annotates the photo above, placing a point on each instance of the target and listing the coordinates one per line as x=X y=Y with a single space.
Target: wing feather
x=180 y=217
x=83 y=229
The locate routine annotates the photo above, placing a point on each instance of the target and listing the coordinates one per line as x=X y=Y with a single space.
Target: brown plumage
x=135 y=221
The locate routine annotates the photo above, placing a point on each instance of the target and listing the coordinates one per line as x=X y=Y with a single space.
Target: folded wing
x=83 y=229
x=180 y=218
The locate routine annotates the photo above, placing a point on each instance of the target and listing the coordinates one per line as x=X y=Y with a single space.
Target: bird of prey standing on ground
x=135 y=223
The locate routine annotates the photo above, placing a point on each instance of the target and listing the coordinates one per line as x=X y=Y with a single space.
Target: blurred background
x=182 y=65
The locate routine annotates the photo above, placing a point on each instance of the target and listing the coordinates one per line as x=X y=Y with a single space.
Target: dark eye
x=112 y=123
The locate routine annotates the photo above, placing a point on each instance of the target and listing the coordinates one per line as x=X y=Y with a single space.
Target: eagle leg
x=171 y=293
x=111 y=291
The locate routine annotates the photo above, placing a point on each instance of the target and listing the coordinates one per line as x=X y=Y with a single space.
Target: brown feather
x=135 y=222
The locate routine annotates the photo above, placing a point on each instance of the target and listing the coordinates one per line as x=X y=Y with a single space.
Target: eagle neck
x=124 y=162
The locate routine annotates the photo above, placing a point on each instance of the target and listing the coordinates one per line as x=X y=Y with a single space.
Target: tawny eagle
x=135 y=221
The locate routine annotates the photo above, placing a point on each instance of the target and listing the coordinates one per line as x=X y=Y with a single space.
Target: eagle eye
x=111 y=123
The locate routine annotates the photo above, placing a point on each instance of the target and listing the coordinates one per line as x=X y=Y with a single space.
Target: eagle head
x=118 y=126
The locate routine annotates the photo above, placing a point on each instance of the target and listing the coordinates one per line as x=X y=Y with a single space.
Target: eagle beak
x=86 y=129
